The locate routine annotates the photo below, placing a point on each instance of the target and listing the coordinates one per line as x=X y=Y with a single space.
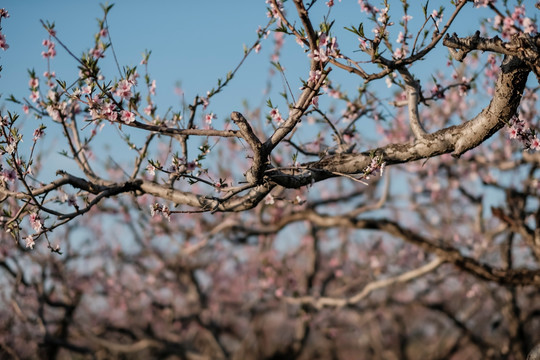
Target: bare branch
x=321 y=302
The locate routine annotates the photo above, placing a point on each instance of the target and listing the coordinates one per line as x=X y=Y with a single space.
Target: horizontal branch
x=162 y=129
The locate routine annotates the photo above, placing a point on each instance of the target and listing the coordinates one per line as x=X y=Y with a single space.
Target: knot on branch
x=460 y=47
x=255 y=174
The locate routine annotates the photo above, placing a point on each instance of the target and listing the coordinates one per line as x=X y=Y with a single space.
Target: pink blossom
x=315 y=75
x=315 y=101
x=383 y=15
x=34 y=96
x=36 y=222
x=330 y=3
x=109 y=111
x=3 y=45
x=436 y=91
x=8 y=175
x=133 y=78
x=273 y=10
x=53 y=113
x=535 y=143
x=513 y=133
x=257 y=48
x=87 y=90
x=400 y=37
x=323 y=40
x=398 y=53
x=192 y=165
x=29 y=242
x=519 y=12
x=151 y=169
x=97 y=53
x=276 y=116
x=437 y=17
x=127 y=117
x=25 y=108
x=103 y=33
x=334 y=94
x=529 y=27
x=209 y=117
x=366 y=7
x=205 y=102
x=363 y=43
x=123 y=89
x=269 y=199
x=148 y=110
x=38 y=133
x=153 y=87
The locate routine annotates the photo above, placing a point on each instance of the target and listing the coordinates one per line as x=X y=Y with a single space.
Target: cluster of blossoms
x=158 y=209
x=273 y=10
x=3 y=45
x=510 y=23
x=327 y=47
x=276 y=116
x=100 y=109
x=366 y=7
x=51 y=51
x=521 y=131
x=109 y=111
x=57 y=111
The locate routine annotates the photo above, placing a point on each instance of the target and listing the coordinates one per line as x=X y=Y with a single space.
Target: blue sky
x=189 y=43
x=194 y=42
